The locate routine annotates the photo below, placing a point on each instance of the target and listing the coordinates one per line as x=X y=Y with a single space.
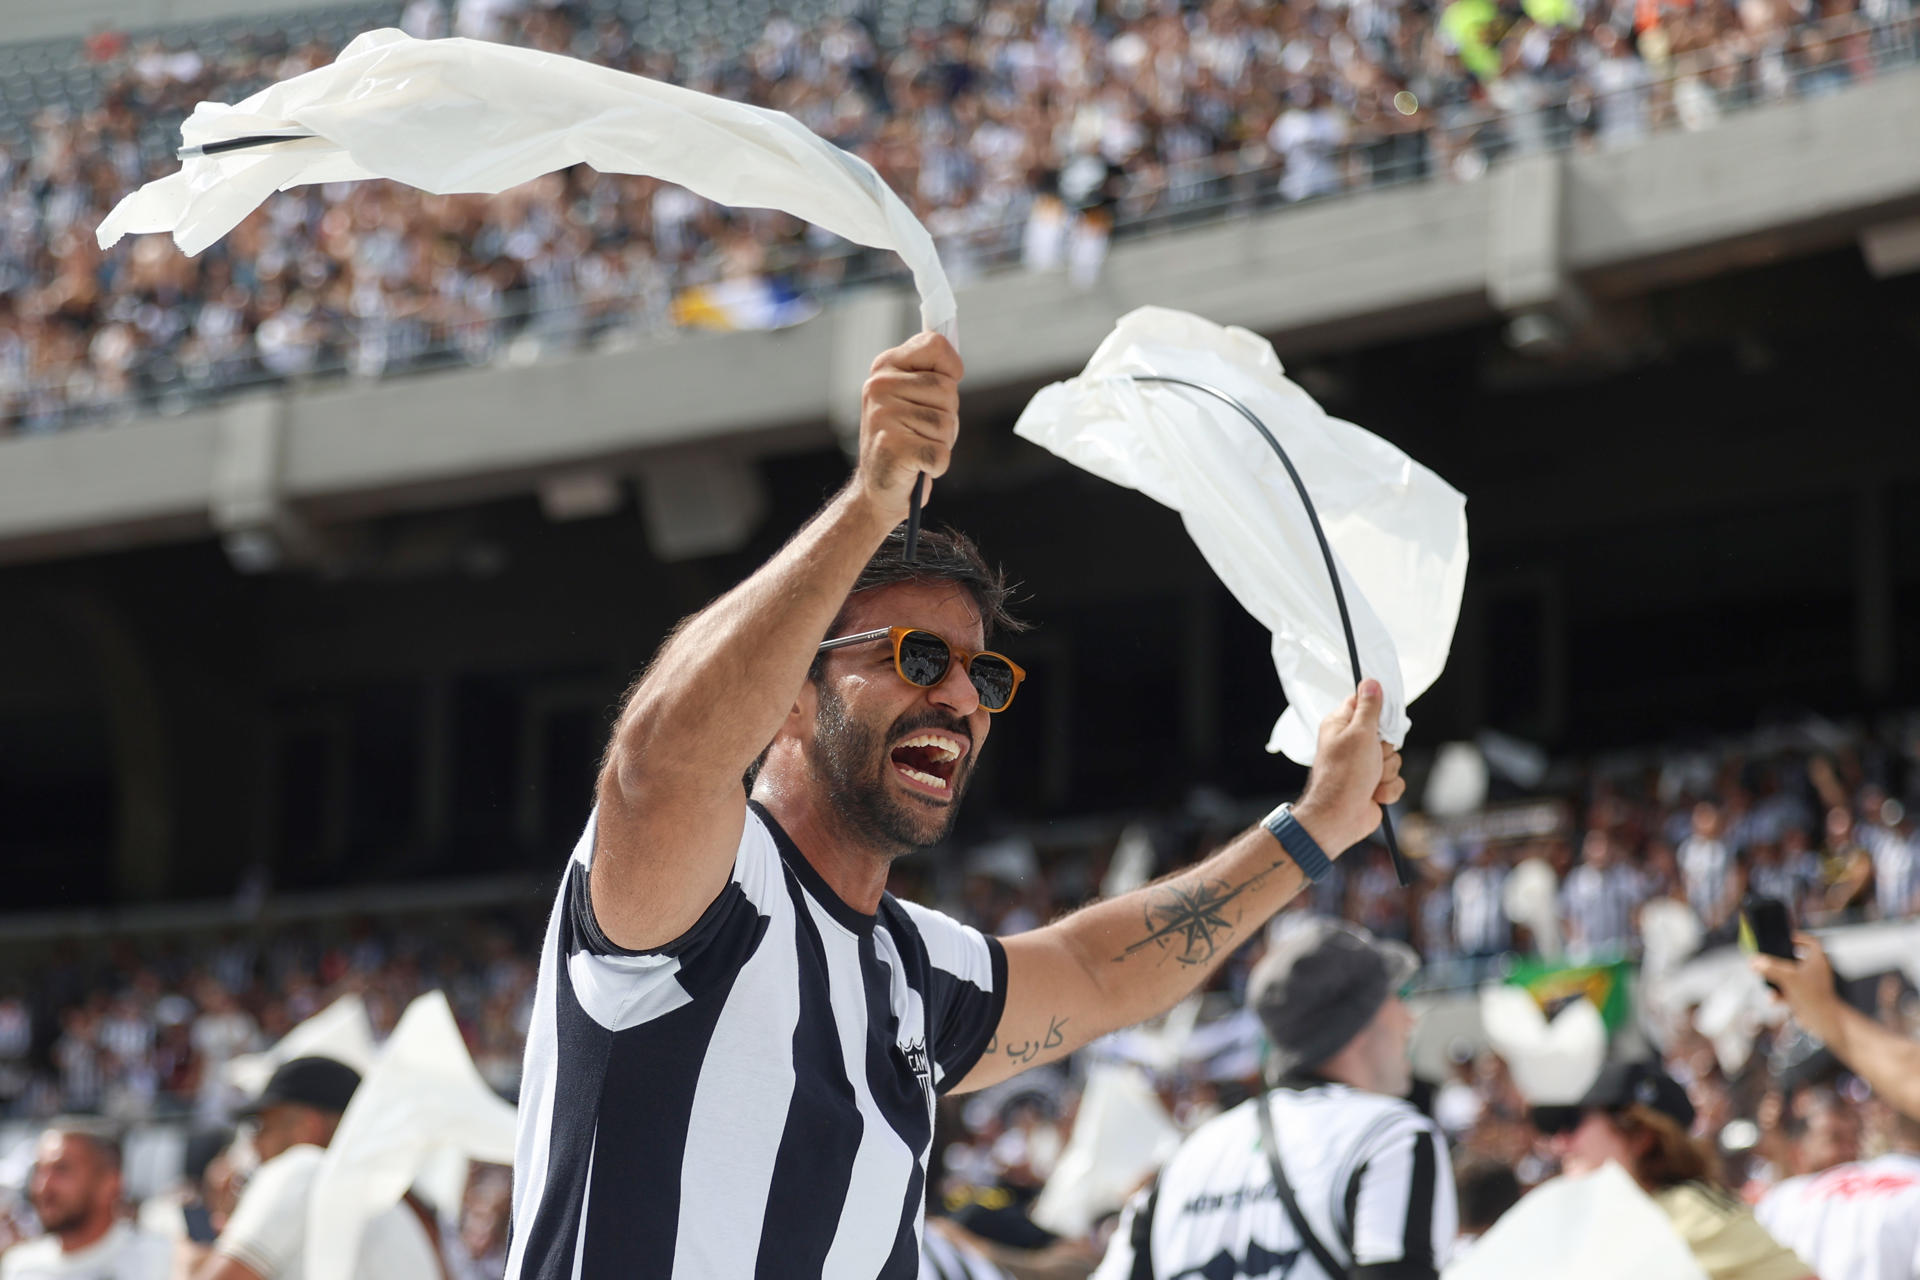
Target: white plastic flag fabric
x=1531 y=897
x=1553 y=1063
x=1121 y=1135
x=1601 y=1226
x=468 y=116
x=1397 y=530
x=341 y=1031
x=422 y=1097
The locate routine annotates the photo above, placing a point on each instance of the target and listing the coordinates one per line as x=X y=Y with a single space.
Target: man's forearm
x=1887 y=1061
x=1148 y=949
x=1117 y=962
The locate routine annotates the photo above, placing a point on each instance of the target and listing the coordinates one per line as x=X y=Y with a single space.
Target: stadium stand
x=1028 y=136
x=130 y=1012
x=138 y=1025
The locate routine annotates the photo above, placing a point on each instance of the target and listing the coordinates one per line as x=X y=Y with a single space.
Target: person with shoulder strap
x=1330 y=1174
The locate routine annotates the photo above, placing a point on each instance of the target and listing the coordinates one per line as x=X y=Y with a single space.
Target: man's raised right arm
x=670 y=796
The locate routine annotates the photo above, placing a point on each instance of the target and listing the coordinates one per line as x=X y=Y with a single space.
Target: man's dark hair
x=101 y=1135
x=203 y=1147
x=1487 y=1189
x=943 y=555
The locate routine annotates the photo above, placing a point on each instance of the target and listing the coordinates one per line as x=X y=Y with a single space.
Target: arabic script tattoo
x=1025 y=1051
x=1187 y=918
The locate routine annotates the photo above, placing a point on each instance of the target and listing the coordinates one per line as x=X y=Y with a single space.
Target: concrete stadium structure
x=1675 y=381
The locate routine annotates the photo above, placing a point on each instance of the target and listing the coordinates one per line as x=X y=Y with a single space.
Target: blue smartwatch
x=1300 y=846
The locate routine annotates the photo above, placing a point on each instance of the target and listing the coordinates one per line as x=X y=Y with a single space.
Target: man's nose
x=955 y=690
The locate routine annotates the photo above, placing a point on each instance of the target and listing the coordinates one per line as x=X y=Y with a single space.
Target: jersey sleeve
x=619 y=987
x=966 y=991
x=1405 y=1215
x=268 y=1227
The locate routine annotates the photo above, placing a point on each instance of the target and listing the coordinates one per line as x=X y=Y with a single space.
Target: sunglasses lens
x=923 y=658
x=993 y=679
x=1551 y=1120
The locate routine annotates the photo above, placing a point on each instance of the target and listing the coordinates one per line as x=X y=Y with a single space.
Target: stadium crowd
x=140 y=1032
x=1032 y=133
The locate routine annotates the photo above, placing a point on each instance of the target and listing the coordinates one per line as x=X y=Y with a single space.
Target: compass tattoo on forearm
x=1187 y=918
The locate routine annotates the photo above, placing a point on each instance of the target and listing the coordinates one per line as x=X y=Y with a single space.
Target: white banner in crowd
x=1598 y=1227
x=341 y=1031
x=468 y=116
x=1398 y=531
x=1733 y=1003
x=422 y=1098
x=1553 y=1063
x=1121 y=1134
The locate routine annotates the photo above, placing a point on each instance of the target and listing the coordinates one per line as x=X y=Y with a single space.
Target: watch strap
x=1299 y=843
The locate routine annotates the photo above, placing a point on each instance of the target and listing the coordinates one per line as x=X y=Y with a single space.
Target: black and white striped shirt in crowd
x=753 y=1100
x=1371 y=1175
x=942 y=1259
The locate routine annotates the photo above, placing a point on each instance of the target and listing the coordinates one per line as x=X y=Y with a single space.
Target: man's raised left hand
x=1354 y=774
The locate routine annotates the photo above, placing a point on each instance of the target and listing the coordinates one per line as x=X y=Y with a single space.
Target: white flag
x=1397 y=530
x=469 y=116
x=422 y=1098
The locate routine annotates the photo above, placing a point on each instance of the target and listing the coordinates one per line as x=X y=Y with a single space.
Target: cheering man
x=738 y=1034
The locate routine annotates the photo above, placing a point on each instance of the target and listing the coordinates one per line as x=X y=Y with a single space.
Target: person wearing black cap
x=295 y=1117
x=1331 y=1174
x=1638 y=1117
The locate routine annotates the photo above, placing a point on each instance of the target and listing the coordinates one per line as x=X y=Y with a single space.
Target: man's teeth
x=926 y=778
x=942 y=748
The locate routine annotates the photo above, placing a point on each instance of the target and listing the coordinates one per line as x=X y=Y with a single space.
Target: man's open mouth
x=928 y=759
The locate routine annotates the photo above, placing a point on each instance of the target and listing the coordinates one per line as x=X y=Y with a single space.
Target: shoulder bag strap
x=1321 y=1254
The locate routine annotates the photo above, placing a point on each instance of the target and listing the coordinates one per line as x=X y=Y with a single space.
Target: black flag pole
x=245 y=143
x=1400 y=869
x=912 y=548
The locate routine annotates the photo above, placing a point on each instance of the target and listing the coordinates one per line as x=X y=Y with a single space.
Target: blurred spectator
x=1487 y=1190
x=1886 y=1059
x=1828 y=1131
x=144 y=1028
x=1894 y=844
x=1364 y=1179
x=1707 y=869
x=1479 y=914
x=221 y=1032
x=484 y=1223
x=1857 y=1220
x=1847 y=867
x=1599 y=901
x=1787 y=873
x=193 y=1213
x=1638 y=1116
x=16 y=1041
x=265 y=1238
x=75 y=1192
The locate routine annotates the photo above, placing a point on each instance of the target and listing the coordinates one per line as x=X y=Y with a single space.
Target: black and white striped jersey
x=752 y=1100
x=1371 y=1174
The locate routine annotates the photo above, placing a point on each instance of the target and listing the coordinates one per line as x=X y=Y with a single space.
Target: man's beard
x=857 y=769
x=62 y=1218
